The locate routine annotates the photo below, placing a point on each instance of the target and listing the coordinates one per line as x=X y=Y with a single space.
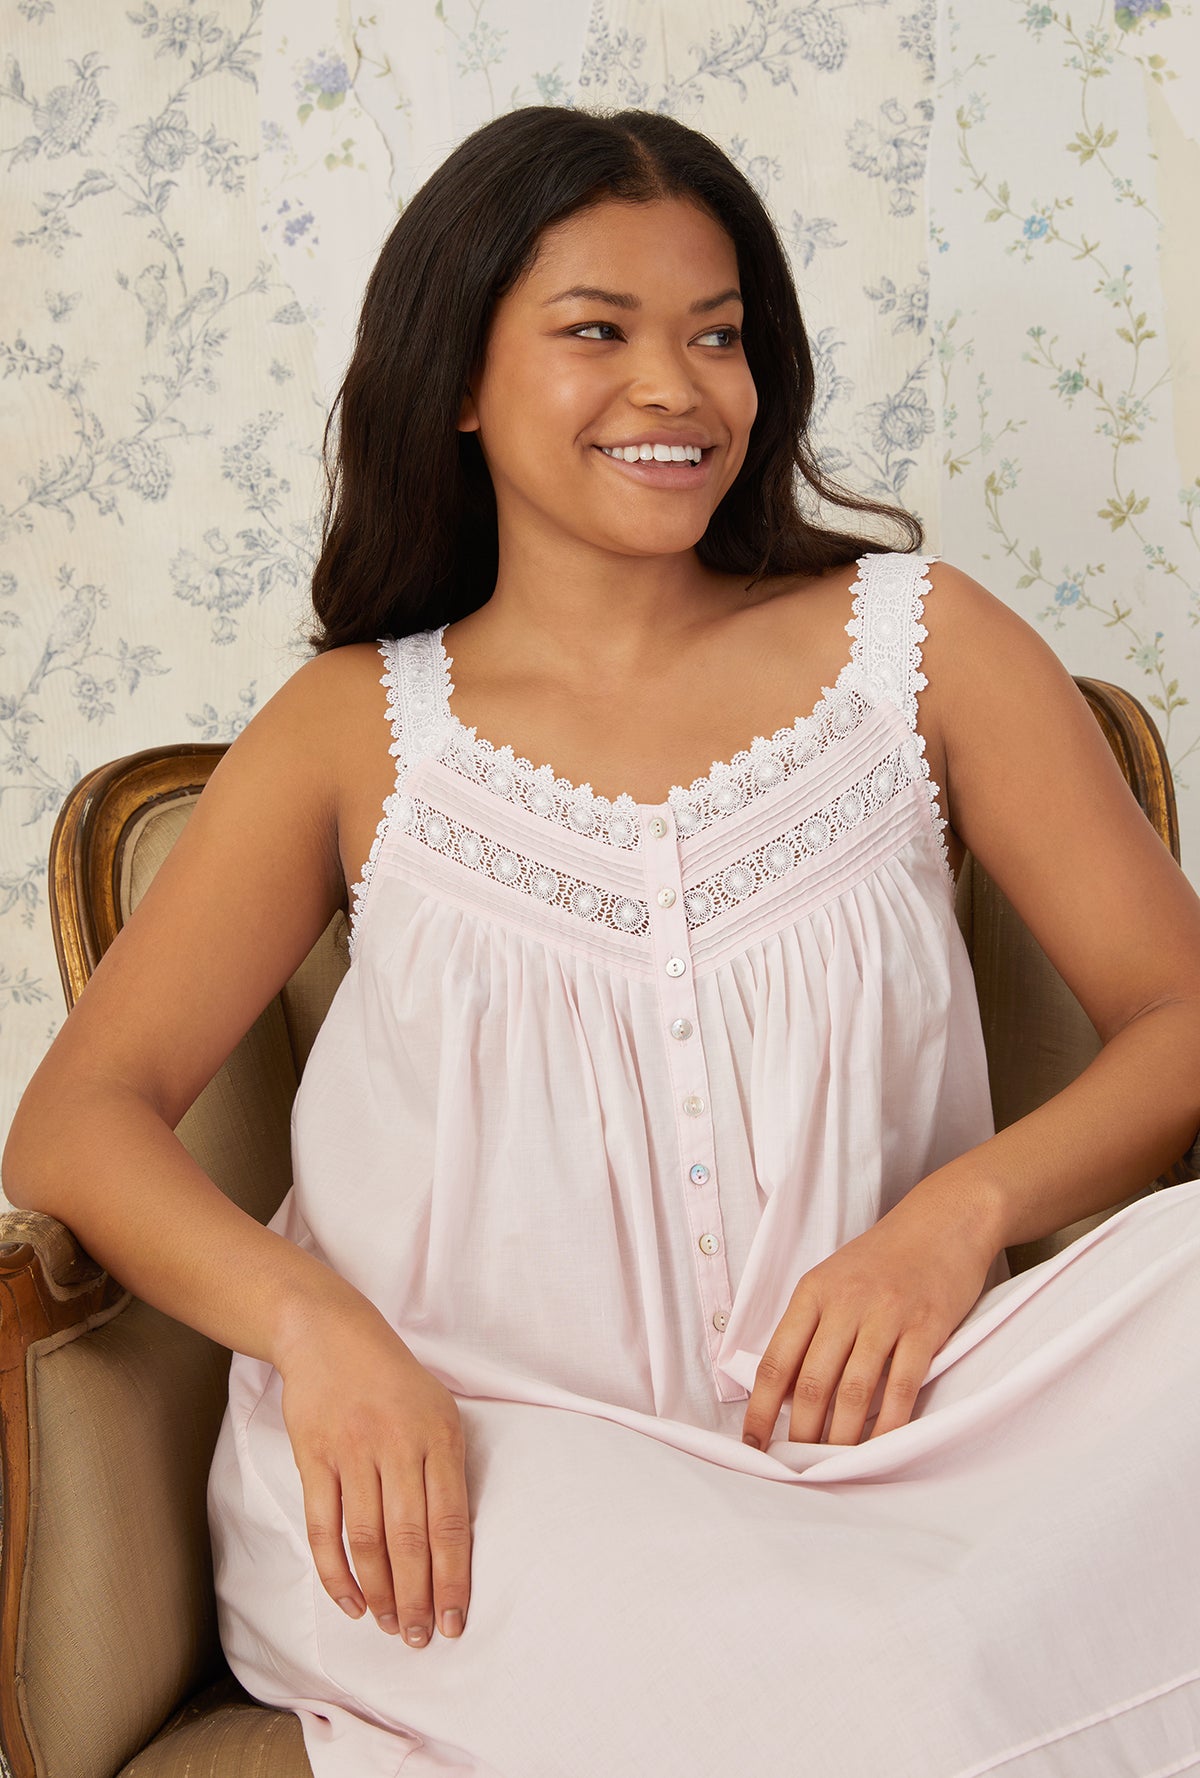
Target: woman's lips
x=663 y=475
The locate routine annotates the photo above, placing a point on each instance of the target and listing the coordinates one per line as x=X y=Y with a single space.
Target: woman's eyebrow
x=618 y=299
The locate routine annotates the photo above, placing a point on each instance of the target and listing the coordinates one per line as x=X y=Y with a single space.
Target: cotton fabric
x=602 y=1082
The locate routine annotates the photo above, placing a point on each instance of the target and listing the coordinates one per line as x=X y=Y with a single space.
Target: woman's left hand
x=897 y=1290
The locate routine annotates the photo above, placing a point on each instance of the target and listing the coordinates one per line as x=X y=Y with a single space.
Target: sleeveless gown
x=602 y=1081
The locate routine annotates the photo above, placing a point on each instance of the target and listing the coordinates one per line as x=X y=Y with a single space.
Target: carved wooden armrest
x=47 y=1282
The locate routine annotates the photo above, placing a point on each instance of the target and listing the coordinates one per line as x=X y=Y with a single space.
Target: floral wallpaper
x=1064 y=333
x=990 y=211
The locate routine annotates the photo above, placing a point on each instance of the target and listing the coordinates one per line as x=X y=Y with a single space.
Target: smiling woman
x=639 y=1316
x=564 y=383
x=554 y=215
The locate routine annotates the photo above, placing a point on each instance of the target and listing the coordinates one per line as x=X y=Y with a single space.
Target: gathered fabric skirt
x=1008 y=1584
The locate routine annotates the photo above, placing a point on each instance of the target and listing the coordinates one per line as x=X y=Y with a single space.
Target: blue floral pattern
x=149 y=512
x=1080 y=340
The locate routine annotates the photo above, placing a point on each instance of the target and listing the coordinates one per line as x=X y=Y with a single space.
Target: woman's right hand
x=379 y=1445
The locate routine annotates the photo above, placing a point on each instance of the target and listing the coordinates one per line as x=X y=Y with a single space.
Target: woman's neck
x=601 y=621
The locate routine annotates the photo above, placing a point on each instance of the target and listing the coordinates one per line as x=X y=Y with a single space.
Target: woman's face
x=624 y=332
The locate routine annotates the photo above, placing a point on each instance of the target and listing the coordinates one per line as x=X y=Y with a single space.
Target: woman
x=653 y=1105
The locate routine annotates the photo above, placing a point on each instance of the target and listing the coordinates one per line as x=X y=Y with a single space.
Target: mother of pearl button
x=666 y=898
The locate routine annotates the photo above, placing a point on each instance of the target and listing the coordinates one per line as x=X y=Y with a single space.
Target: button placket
x=671 y=952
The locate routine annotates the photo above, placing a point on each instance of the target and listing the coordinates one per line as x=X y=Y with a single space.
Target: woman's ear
x=468 y=419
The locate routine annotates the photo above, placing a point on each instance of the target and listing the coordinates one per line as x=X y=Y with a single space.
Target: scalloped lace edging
x=391 y=679
x=887 y=630
x=725 y=888
x=725 y=788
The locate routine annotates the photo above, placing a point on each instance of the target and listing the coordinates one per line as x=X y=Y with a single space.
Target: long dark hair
x=409 y=536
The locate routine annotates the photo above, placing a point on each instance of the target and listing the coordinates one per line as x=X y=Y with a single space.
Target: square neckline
x=881 y=677
x=720 y=772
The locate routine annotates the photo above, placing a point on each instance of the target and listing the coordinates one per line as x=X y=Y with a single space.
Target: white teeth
x=654 y=453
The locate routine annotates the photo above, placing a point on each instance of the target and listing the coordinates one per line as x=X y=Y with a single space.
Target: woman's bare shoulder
x=986 y=665
x=331 y=707
x=962 y=611
x=338 y=702
x=328 y=677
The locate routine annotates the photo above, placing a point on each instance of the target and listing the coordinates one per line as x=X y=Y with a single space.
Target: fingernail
x=351 y=1607
x=452 y=1623
x=748 y=1438
x=415 y=1634
x=389 y=1622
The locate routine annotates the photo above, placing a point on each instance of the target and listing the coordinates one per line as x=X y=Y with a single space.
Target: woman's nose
x=662 y=378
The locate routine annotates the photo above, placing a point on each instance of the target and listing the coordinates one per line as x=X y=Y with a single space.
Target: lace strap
x=420 y=694
x=887 y=631
x=889 y=604
x=389 y=648
x=415 y=713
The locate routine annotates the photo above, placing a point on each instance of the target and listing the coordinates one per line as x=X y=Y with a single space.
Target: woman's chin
x=664 y=538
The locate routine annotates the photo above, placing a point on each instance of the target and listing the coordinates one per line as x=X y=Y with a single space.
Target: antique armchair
x=110 y=1666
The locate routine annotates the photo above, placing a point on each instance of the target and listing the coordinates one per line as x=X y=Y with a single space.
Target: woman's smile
x=657 y=472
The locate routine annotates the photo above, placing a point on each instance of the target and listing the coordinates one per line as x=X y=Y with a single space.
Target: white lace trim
x=392 y=679
x=887 y=631
x=885 y=660
x=844 y=811
x=726 y=787
x=726 y=888
x=488 y=856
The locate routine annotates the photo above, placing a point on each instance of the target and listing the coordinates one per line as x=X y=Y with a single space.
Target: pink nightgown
x=602 y=1081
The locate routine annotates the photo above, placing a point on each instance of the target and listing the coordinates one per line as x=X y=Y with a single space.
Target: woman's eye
x=605 y=331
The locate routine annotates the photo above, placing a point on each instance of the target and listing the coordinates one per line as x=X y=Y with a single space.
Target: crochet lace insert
x=713 y=895
x=884 y=665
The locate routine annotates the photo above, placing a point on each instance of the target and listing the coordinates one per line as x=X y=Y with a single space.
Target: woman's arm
x=1032 y=789
x=235 y=907
x=1030 y=786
